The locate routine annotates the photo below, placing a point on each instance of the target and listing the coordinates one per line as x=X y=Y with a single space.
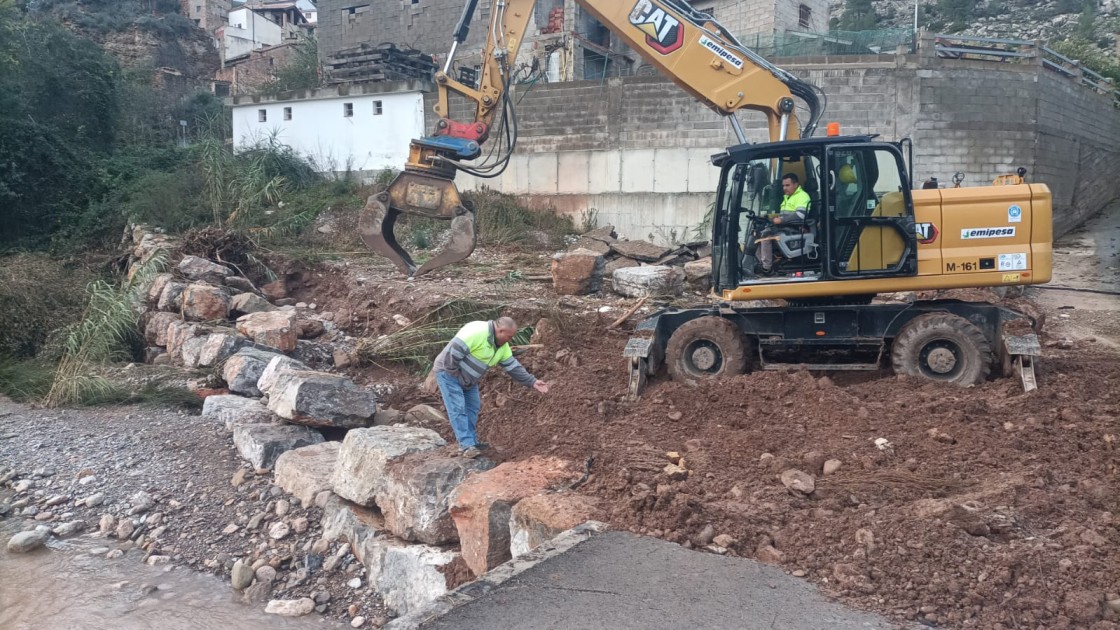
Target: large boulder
x=362 y=527
x=24 y=542
x=155 y=328
x=415 y=493
x=277 y=367
x=261 y=444
x=203 y=270
x=412 y=576
x=171 y=298
x=272 y=328
x=191 y=351
x=360 y=475
x=591 y=245
x=651 y=280
x=232 y=410
x=205 y=302
x=483 y=504
x=159 y=283
x=538 y=519
x=578 y=272
x=178 y=332
x=219 y=346
x=245 y=303
x=307 y=471
x=243 y=370
x=699 y=272
x=321 y=399
x=640 y=250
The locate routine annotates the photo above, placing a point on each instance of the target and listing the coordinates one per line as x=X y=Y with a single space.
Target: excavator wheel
x=706 y=348
x=942 y=347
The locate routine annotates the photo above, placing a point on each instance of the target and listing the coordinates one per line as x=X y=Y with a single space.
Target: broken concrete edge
x=500 y=574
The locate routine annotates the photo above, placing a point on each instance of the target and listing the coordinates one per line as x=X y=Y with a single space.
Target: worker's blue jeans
x=462 y=406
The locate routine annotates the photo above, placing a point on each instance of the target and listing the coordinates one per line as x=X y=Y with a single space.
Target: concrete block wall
x=1078 y=150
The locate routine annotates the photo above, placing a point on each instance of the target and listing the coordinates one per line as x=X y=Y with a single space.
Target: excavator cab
x=860 y=222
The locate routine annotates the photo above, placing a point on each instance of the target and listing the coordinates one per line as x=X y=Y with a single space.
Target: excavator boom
x=688 y=46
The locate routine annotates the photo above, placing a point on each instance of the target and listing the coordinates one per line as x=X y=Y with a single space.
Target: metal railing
x=1022 y=51
x=807 y=44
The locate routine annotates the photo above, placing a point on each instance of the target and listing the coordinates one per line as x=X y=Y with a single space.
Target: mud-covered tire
x=942 y=347
x=706 y=348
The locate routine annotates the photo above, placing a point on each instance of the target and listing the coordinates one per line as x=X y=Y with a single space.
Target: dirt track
x=990 y=509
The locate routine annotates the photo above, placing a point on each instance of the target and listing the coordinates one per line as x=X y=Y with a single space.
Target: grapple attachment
x=433 y=196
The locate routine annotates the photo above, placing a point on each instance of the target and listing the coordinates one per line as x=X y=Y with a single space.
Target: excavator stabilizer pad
x=1022 y=345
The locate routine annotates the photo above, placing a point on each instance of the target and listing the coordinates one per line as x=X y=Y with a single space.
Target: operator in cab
x=794 y=209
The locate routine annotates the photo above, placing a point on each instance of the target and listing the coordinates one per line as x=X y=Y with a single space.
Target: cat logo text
x=664 y=33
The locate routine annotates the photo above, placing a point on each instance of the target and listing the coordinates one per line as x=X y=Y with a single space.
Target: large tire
x=942 y=347
x=706 y=348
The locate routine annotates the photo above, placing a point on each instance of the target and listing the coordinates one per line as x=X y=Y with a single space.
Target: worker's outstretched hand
x=541 y=387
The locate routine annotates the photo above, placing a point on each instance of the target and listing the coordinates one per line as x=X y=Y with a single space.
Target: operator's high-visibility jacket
x=474 y=350
x=798 y=202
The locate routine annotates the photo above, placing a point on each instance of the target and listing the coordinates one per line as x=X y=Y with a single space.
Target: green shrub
x=37 y=296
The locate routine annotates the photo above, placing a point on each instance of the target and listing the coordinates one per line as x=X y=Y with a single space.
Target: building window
x=287 y=113
x=377 y=111
x=805 y=15
x=262 y=115
x=348 y=110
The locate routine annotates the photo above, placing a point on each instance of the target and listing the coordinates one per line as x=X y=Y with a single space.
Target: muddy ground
x=987 y=507
x=990 y=508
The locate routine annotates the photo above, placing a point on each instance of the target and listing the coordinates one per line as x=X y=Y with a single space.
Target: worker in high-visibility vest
x=477 y=347
x=794 y=209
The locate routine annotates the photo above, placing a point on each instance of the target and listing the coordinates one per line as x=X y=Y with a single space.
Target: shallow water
x=63 y=587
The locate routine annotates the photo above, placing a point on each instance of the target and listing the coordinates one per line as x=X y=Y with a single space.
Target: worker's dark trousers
x=462 y=407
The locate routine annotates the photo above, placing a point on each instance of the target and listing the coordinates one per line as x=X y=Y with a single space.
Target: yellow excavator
x=865 y=231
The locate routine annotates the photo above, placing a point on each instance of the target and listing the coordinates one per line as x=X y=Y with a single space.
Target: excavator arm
x=688 y=46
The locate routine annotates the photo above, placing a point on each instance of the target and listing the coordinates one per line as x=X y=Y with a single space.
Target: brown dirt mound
x=989 y=508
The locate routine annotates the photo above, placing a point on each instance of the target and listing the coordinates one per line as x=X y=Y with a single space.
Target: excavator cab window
x=871 y=215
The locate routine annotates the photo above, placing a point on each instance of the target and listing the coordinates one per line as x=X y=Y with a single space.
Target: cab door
x=869 y=225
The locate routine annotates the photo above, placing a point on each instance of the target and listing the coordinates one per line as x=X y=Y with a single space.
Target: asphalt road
x=621 y=581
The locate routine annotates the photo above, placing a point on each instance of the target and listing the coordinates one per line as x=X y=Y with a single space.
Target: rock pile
x=630 y=268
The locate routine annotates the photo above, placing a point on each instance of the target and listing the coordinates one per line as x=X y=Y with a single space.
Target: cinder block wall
x=980 y=119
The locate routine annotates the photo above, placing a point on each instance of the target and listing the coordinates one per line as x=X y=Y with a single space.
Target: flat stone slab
x=307 y=471
x=242 y=371
x=622 y=581
x=197 y=268
x=414 y=498
x=366 y=453
x=261 y=444
x=245 y=303
x=321 y=399
x=640 y=250
x=231 y=410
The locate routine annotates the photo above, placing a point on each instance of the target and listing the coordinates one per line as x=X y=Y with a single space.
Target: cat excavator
x=866 y=230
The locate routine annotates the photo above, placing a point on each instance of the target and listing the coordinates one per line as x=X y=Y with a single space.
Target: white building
x=310 y=11
x=356 y=127
x=248 y=31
